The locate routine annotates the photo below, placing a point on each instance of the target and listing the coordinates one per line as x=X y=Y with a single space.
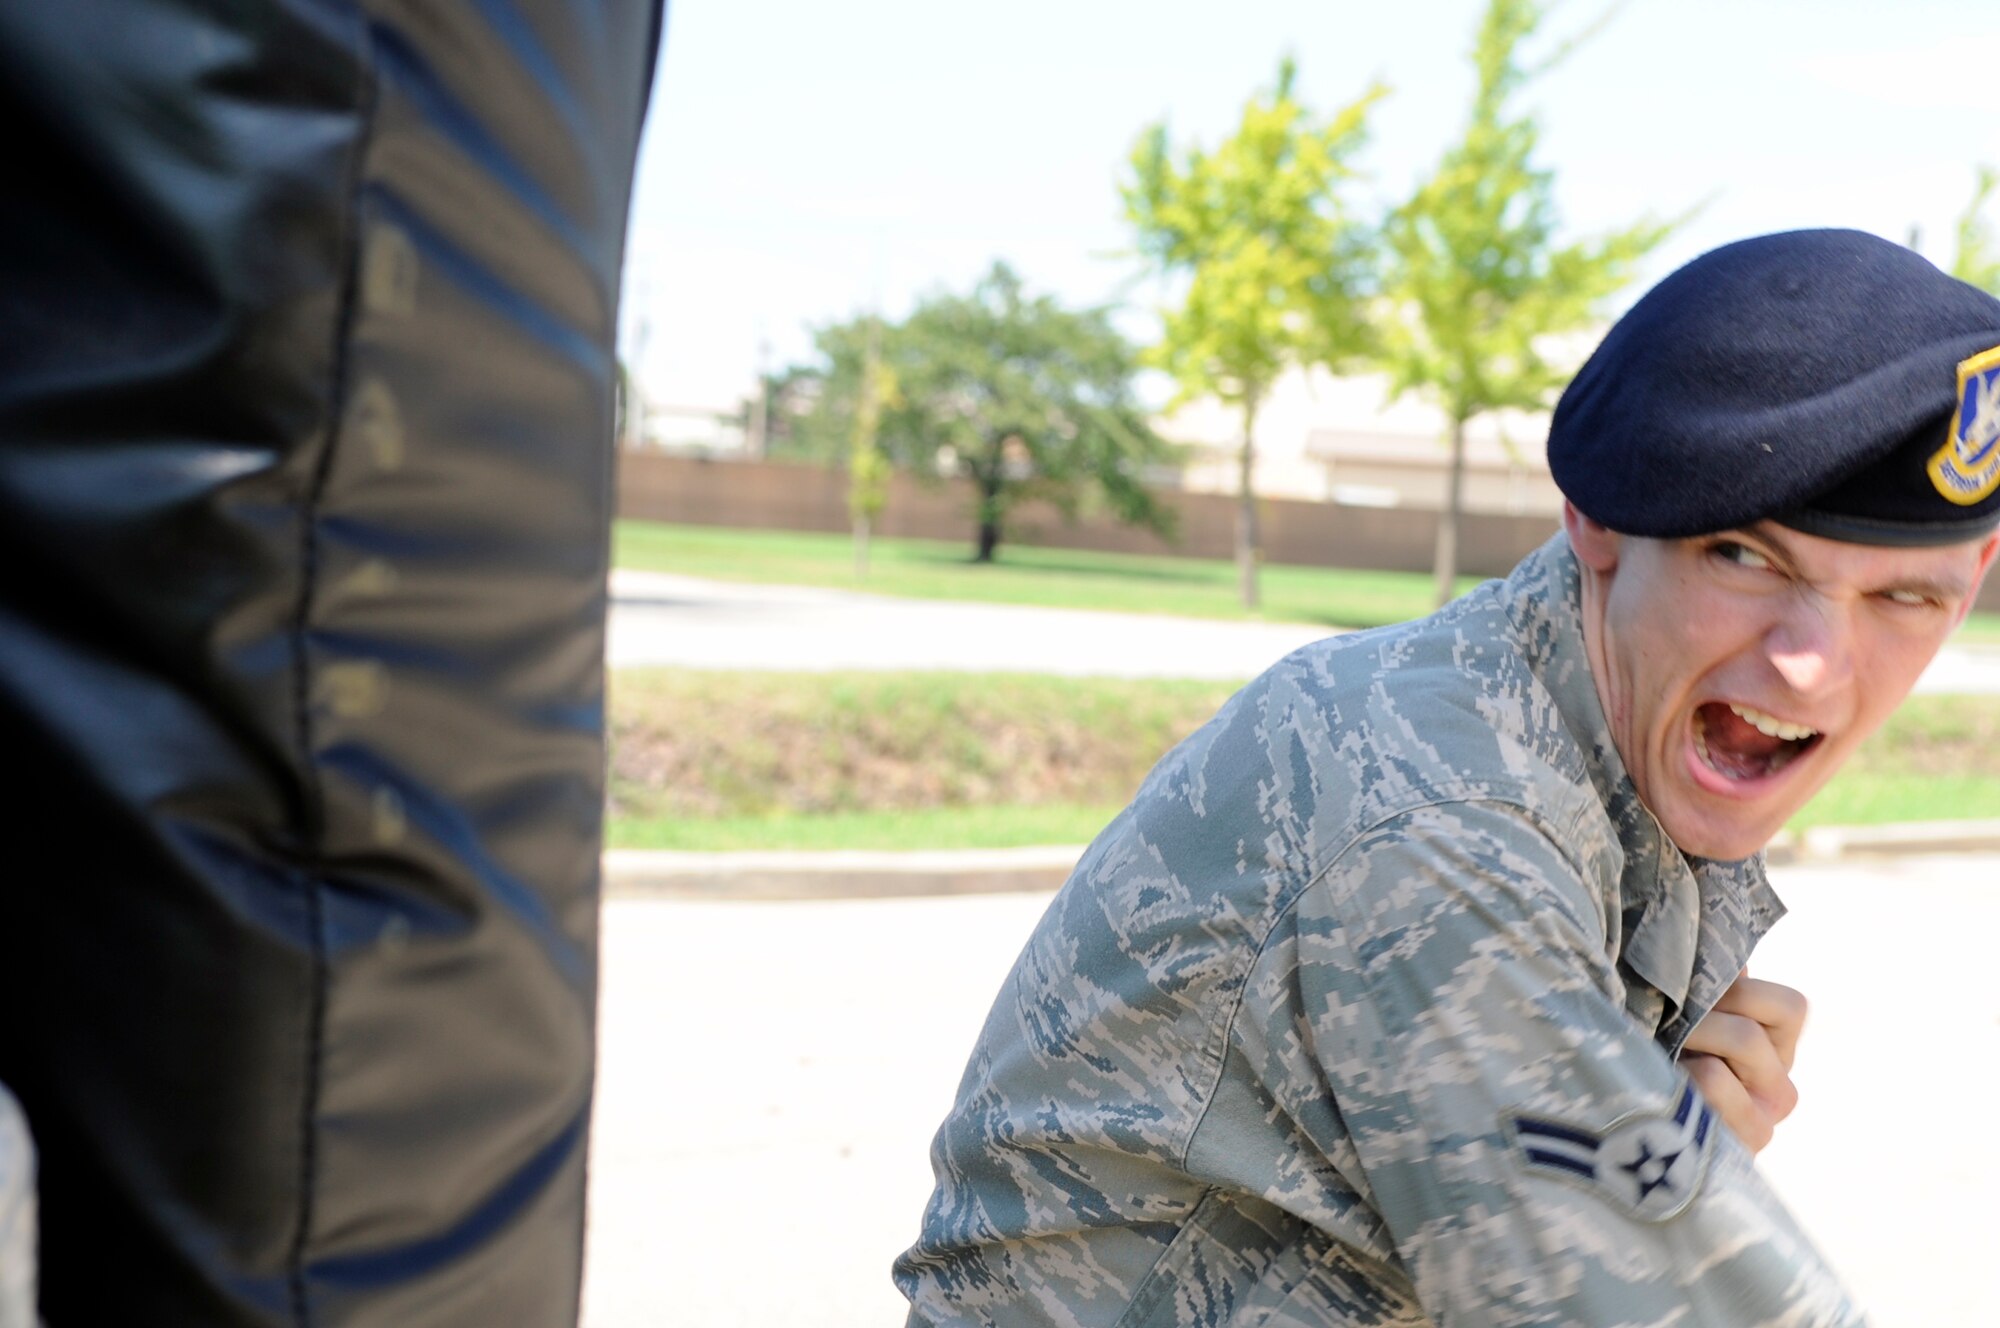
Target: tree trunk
x=990 y=479
x=1447 y=540
x=989 y=513
x=758 y=423
x=1249 y=549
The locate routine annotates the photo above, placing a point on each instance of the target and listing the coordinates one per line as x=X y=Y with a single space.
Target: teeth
x=1771 y=726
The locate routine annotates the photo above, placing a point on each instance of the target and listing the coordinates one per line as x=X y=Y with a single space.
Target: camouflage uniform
x=1364 y=1013
x=17 y=1216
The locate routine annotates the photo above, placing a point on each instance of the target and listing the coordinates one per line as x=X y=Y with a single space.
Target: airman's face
x=1739 y=671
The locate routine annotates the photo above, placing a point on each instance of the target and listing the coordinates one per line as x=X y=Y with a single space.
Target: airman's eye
x=1742 y=555
x=1910 y=598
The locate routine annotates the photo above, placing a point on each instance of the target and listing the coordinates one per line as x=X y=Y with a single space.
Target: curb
x=1831 y=843
x=733 y=877
x=780 y=876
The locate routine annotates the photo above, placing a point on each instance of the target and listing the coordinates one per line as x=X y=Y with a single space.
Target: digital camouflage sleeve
x=17 y=1216
x=1364 y=1013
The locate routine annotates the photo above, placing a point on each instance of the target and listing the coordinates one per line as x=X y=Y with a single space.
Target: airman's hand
x=1740 y=1057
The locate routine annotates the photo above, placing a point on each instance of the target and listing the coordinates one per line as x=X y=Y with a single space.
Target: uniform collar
x=1687 y=924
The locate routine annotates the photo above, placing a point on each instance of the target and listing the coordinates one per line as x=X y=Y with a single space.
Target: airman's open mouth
x=1740 y=743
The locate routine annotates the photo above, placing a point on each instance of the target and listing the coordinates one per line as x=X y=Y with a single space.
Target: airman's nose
x=1812 y=649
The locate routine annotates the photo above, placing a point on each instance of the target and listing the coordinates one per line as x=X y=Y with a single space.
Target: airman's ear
x=1986 y=553
x=1596 y=545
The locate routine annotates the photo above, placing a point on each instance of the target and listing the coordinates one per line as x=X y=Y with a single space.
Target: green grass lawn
x=932 y=828
x=717 y=761
x=1056 y=578
x=1862 y=797
x=1980 y=629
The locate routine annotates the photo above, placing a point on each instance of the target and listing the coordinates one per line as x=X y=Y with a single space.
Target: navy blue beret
x=1828 y=380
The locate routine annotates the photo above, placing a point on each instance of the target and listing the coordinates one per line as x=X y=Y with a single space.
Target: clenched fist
x=1740 y=1057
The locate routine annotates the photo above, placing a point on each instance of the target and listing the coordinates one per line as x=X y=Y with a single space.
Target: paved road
x=658 y=618
x=772 y=1073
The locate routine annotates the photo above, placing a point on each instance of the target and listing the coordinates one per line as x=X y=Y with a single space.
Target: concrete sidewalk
x=657 y=618
x=771 y=1075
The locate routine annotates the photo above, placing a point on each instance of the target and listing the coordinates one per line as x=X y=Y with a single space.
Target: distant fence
x=776 y=495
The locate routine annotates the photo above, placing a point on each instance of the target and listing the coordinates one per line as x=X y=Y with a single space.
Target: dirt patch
x=698 y=744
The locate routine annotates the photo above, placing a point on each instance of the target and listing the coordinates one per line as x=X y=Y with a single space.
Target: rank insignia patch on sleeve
x=1650 y=1165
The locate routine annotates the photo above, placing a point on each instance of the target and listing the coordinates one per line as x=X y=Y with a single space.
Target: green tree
x=867 y=467
x=624 y=408
x=1029 y=400
x=1475 y=282
x=1276 y=268
x=812 y=406
x=1977 y=259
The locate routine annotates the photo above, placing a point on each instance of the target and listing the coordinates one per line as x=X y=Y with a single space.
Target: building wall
x=1517 y=489
x=1318 y=435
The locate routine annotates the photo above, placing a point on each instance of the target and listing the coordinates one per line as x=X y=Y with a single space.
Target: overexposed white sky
x=805 y=161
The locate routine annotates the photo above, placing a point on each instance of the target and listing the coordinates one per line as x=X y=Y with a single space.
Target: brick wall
x=773 y=495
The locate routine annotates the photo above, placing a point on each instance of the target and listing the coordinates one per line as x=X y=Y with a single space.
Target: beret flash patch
x=1647 y=1164
x=1967 y=468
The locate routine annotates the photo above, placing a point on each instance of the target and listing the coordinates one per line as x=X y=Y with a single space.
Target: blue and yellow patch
x=1966 y=470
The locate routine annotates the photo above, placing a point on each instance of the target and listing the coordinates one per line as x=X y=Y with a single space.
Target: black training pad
x=306 y=323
